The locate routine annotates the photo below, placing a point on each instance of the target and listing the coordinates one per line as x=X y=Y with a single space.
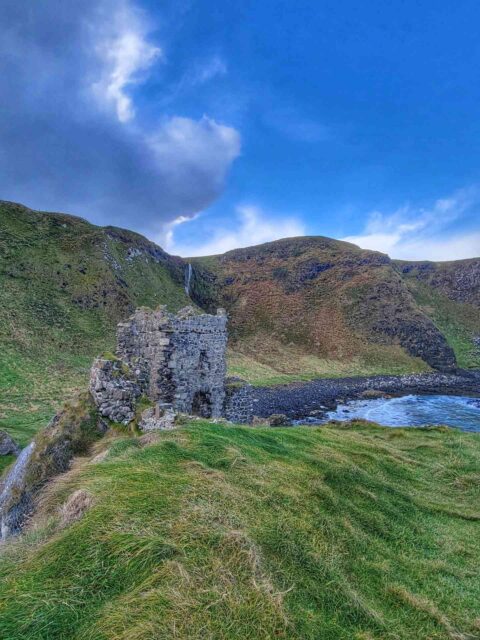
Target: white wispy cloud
x=412 y=233
x=124 y=52
x=295 y=125
x=69 y=94
x=207 y=70
x=251 y=226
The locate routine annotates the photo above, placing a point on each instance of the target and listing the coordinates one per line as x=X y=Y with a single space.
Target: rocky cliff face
x=329 y=297
x=70 y=433
x=458 y=280
x=388 y=313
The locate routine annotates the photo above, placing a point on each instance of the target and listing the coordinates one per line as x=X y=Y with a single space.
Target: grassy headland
x=218 y=532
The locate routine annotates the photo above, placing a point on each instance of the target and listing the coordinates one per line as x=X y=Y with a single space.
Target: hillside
x=211 y=531
x=64 y=285
x=449 y=292
x=299 y=308
x=316 y=306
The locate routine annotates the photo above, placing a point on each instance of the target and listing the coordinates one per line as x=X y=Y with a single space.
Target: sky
x=210 y=125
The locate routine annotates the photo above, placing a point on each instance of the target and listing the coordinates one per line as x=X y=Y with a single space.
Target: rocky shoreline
x=315 y=398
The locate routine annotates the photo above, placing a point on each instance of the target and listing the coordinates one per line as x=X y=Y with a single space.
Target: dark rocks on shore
x=315 y=398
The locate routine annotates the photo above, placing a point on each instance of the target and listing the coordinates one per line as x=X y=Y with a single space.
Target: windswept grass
x=216 y=532
x=263 y=361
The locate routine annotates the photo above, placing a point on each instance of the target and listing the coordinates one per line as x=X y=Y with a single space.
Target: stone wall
x=114 y=389
x=238 y=401
x=174 y=359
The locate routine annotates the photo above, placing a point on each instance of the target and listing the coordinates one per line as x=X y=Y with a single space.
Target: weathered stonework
x=177 y=360
x=238 y=401
x=114 y=389
x=157 y=419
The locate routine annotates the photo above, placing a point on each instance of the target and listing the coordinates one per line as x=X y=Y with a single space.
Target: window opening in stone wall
x=203 y=363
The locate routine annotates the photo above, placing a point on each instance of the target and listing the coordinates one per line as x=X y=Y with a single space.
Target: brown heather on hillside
x=458 y=280
x=327 y=298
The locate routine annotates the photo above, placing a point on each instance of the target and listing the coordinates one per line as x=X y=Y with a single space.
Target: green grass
x=280 y=364
x=64 y=285
x=459 y=322
x=216 y=532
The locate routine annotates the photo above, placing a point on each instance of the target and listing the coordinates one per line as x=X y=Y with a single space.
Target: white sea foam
x=413 y=411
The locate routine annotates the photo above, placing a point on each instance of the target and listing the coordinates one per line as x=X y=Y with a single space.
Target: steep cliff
x=328 y=298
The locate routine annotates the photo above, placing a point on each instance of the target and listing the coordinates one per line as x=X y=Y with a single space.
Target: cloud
x=206 y=70
x=206 y=149
x=72 y=134
x=124 y=52
x=292 y=124
x=424 y=233
x=251 y=226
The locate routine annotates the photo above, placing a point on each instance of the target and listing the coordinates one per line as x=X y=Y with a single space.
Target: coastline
x=299 y=400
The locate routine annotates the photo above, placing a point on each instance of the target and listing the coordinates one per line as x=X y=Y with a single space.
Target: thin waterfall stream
x=188 y=278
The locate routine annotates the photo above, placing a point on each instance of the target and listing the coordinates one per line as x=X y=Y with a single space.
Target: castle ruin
x=176 y=360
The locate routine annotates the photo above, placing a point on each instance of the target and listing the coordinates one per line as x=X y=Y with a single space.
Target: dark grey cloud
x=69 y=136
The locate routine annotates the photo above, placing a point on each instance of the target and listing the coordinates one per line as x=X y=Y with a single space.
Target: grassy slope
x=263 y=361
x=459 y=322
x=449 y=293
x=298 y=309
x=218 y=532
x=64 y=284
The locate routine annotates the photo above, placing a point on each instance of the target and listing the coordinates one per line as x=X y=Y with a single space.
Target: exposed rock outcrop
x=70 y=433
x=8 y=446
x=388 y=313
x=458 y=280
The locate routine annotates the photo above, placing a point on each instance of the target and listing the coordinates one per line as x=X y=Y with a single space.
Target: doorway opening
x=202 y=405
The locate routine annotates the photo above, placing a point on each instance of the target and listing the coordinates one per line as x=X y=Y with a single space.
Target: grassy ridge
x=312 y=306
x=64 y=285
x=218 y=532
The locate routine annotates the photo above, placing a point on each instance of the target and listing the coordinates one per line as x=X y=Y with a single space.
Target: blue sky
x=209 y=125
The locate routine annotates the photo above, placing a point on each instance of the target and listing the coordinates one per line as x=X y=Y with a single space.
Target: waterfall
x=11 y=515
x=188 y=277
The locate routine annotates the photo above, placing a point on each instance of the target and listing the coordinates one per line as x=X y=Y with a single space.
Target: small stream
x=414 y=411
x=188 y=278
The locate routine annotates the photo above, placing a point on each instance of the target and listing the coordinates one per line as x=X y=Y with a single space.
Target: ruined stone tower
x=174 y=360
x=178 y=359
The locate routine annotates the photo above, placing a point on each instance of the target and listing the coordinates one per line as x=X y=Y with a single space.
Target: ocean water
x=414 y=411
